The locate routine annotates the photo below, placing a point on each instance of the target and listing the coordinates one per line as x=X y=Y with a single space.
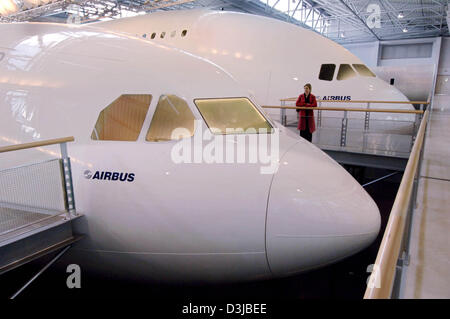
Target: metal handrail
x=36 y=144
x=293 y=99
x=385 y=265
x=66 y=171
x=354 y=109
x=344 y=125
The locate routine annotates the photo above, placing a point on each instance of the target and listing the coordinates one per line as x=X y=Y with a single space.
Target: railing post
x=319 y=116
x=409 y=216
x=404 y=256
x=402 y=261
x=416 y=126
x=283 y=113
x=344 y=129
x=367 y=118
x=67 y=180
x=419 y=167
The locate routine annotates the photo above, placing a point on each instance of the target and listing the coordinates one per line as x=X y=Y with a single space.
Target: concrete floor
x=428 y=275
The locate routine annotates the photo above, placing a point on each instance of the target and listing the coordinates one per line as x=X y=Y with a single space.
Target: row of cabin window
x=163 y=34
x=345 y=71
x=173 y=119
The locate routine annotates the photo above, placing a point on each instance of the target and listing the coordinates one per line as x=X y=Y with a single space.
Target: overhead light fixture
x=342 y=34
x=405 y=30
x=400 y=15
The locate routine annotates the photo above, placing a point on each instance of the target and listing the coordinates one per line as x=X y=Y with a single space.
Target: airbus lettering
x=110 y=176
x=337 y=98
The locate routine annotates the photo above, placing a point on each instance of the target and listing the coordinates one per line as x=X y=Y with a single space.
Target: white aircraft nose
x=317 y=213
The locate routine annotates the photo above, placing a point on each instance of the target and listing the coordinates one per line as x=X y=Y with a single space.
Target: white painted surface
x=415 y=81
x=273 y=59
x=434 y=59
x=367 y=52
x=444 y=60
x=413 y=76
x=174 y=222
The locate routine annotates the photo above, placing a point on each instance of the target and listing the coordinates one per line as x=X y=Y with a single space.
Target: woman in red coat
x=306 y=123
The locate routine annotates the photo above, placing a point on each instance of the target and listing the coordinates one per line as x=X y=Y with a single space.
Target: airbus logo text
x=336 y=98
x=110 y=176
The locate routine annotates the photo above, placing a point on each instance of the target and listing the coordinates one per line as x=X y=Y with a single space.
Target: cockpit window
x=327 y=72
x=122 y=120
x=345 y=72
x=232 y=115
x=363 y=70
x=184 y=33
x=173 y=119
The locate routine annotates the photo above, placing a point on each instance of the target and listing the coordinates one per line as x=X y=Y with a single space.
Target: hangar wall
x=410 y=65
x=444 y=61
x=443 y=76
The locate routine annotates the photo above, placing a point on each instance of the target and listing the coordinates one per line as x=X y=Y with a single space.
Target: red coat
x=302 y=120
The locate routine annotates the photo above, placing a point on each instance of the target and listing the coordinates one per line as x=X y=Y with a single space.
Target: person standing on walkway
x=306 y=123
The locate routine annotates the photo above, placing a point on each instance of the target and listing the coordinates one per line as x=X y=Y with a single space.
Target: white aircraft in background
x=145 y=215
x=272 y=58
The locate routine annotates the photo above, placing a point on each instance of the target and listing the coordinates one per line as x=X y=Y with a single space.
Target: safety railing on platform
x=34 y=192
x=361 y=126
x=393 y=254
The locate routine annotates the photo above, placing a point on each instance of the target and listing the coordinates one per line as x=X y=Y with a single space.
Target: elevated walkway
x=37 y=205
x=428 y=272
x=351 y=135
x=378 y=149
x=35 y=240
x=414 y=256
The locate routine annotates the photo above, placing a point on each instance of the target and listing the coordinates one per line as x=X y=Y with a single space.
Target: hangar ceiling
x=344 y=21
